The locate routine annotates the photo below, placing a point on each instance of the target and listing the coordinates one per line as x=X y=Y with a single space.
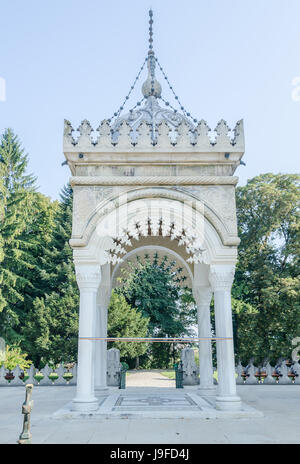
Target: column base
x=85 y=404
x=99 y=390
x=207 y=391
x=228 y=403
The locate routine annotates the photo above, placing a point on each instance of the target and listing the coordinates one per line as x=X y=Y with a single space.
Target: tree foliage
x=51 y=328
x=267 y=276
x=156 y=287
x=125 y=321
x=17 y=196
x=39 y=297
x=14 y=357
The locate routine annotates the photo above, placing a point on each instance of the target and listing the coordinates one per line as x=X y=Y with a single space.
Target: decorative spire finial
x=150 y=29
x=151 y=87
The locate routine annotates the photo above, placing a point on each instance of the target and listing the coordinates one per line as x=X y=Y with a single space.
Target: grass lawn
x=171 y=374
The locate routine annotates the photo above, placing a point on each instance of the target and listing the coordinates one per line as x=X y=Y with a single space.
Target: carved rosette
x=88 y=276
x=221 y=277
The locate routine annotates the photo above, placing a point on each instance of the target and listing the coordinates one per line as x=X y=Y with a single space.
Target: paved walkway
x=280 y=405
x=145 y=378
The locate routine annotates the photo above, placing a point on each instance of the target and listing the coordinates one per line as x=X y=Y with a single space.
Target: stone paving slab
x=142 y=378
x=152 y=403
x=280 y=405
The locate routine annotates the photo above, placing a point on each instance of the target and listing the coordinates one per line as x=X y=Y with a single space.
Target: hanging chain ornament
x=152 y=60
x=175 y=96
x=118 y=112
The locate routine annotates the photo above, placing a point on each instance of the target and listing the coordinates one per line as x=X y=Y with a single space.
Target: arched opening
x=157 y=281
x=150 y=224
x=173 y=222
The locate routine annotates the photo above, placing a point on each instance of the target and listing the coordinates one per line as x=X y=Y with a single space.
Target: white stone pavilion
x=155 y=180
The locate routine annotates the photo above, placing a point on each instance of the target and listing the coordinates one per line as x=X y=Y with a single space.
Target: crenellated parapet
x=161 y=137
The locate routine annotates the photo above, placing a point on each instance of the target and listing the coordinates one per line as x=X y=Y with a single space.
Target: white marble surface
x=280 y=424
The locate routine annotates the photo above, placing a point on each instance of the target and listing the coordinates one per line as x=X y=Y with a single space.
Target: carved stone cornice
x=88 y=276
x=221 y=277
x=153 y=180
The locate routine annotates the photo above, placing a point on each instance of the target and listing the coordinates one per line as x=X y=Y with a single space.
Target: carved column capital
x=202 y=295
x=88 y=276
x=221 y=277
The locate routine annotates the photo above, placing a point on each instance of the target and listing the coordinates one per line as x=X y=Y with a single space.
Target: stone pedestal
x=189 y=367
x=113 y=367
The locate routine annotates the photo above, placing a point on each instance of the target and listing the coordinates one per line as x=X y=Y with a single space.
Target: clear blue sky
x=226 y=59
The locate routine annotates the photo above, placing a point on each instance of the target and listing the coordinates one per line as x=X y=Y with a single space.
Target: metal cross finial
x=150 y=30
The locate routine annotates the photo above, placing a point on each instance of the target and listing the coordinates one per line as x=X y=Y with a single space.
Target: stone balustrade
x=61 y=375
x=280 y=374
x=47 y=376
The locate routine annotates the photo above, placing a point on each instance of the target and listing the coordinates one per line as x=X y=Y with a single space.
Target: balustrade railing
x=61 y=375
x=283 y=373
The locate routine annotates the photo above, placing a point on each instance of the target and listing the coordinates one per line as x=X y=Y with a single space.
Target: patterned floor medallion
x=132 y=402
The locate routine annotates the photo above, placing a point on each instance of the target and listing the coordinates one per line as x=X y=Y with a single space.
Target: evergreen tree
x=51 y=329
x=16 y=194
x=154 y=287
x=38 y=236
x=125 y=321
x=57 y=262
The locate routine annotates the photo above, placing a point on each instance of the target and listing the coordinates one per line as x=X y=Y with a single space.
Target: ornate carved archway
x=154 y=177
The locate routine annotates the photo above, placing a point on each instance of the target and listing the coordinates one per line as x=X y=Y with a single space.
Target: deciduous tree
x=267 y=275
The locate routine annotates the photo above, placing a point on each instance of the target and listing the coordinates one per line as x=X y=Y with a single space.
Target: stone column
x=88 y=277
x=221 y=278
x=203 y=297
x=103 y=299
